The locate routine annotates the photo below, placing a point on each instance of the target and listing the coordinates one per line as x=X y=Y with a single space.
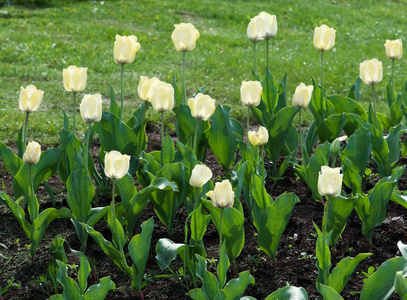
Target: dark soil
x=295 y=260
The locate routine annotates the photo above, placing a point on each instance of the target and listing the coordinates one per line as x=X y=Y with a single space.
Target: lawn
x=36 y=43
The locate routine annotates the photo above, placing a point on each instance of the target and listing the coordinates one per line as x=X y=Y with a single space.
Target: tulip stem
x=162 y=130
x=322 y=76
x=324 y=228
x=74 y=113
x=374 y=106
x=185 y=251
x=255 y=57
x=196 y=195
x=25 y=131
x=196 y=139
x=113 y=209
x=248 y=126
x=268 y=65
x=220 y=229
x=184 y=98
x=121 y=91
x=299 y=129
x=261 y=156
x=392 y=83
x=87 y=143
x=33 y=207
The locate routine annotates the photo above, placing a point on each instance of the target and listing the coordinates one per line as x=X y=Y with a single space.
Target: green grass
x=37 y=43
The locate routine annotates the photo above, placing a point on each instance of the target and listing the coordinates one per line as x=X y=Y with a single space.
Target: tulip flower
x=394 y=50
x=330 y=181
x=29 y=101
x=163 y=100
x=302 y=95
x=74 y=81
x=201 y=174
x=32 y=153
x=269 y=30
x=371 y=72
x=116 y=165
x=32 y=156
x=125 y=49
x=91 y=108
x=260 y=137
x=146 y=87
x=124 y=52
x=184 y=38
x=250 y=95
x=254 y=34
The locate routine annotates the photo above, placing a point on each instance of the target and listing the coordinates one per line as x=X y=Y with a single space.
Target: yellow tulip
x=260 y=137
x=163 y=97
x=32 y=153
x=184 y=37
x=125 y=49
x=74 y=79
x=330 y=181
x=302 y=95
x=202 y=106
x=394 y=49
x=324 y=37
x=30 y=98
x=270 y=22
x=91 y=108
x=146 y=87
x=250 y=93
x=255 y=28
x=371 y=71
x=116 y=165
x=222 y=195
x=201 y=174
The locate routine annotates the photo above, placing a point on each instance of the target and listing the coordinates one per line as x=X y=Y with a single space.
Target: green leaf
x=116 y=228
x=270 y=92
x=274 y=220
x=358 y=149
x=41 y=223
x=354 y=92
x=222 y=130
x=109 y=249
x=380 y=285
x=403 y=249
x=328 y=293
x=139 y=247
x=223 y=266
x=80 y=193
x=289 y=293
x=323 y=255
x=199 y=221
x=84 y=271
x=278 y=127
x=235 y=288
x=177 y=91
x=20 y=143
x=346 y=104
x=17 y=211
x=66 y=121
x=114 y=108
x=126 y=189
x=210 y=285
x=12 y=162
x=232 y=228
x=166 y=251
x=167 y=151
x=350 y=176
x=330 y=128
x=344 y=270
x=261 y=199
x=100 y=290
x=71 y=289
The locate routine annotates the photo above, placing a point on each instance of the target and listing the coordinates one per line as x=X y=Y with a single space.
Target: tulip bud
x=400 y=285
x=330 y=181
x=223 y=195
x=91 y=108
x=125 y=49
x=250 y=93
x=270 y=25
x=32 y=153
x=258 y=138
x=201 y=174
x=184 y=37
x=163 y=97
x=324 y=37
x=202 y=106
x=336 y=144
x=116 y=165
x=394 y=49
x=74 y=79
x=30 y=98
x=255 y=28
x=302 y=95
x=146 y=87
x=371 y=71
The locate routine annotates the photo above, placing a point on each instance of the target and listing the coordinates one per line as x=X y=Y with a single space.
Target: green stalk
x=25 y=131
x=374 y=105
x=299 y=129
x=87 y=143
x=322 y=74
x=31 y=203
x=162 y=130
x=74 y=113
x=392 y=81
x=113 y=208
x=196 y=139
x=220 y=229
x=121 y=91
x=185 y=251
x=196 y=190
x=248 y=126
x=184 y=98
x=261 y=156
x=268 y=65
x=255 y=57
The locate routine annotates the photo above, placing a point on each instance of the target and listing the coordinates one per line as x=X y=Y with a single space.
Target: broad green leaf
x=199 y=221
x=109 y=249
x=274 y=220
x=350 y=176
x=223 y=266
x=167 y=153
x=70 y=288
x=330 y=128
x=282 y=93
x=166 y=251
x=399 y=198
x=261 y=199
x=261 y=113
x=17 y=211
x=41 y=223
x=358 y=149
x=278 y=128
x=139 y=247
x=114 y=108
x=222 y=130
x=344 y=270
x=400 y=285
x=84 y=271
x=317 y=104
x=100 y=290
x=177 y=91
x=380 y=285
x=270 y=92
x=12 y=162
x=289 y=293
x=115 y=135
x=232 y=228
x=346 y=104
x=66 y=121
x=115 y=226
x=235 y=288
x=80 y=193
x=354 y=92
x=328 y=293
x=20 y=143
x=126 y=189
x=323 y=255
x=210 y=285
